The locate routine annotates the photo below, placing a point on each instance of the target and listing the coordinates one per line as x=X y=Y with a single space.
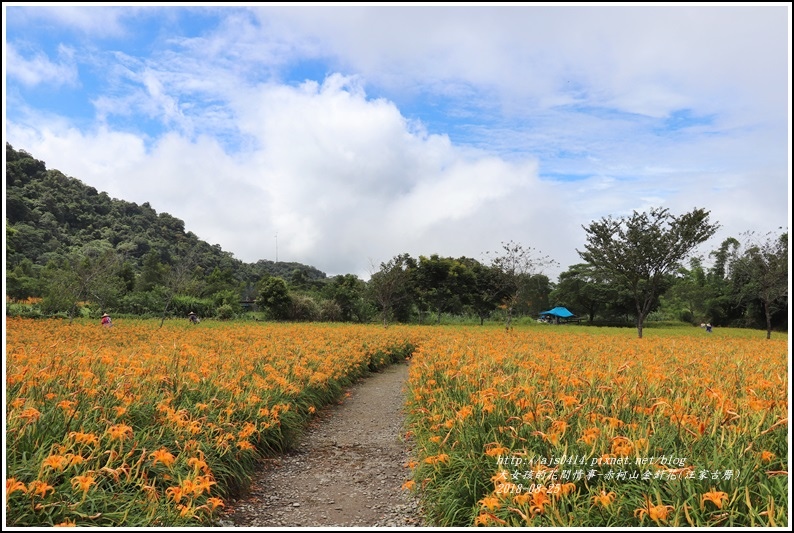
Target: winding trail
x=347 y=470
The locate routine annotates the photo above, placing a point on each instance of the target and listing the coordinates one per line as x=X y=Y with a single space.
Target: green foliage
x=761 y=277
x=391 y=288
x=225 y=312
x=348 y=293
x=274 y=298
x=302 y=308
x=637 y=253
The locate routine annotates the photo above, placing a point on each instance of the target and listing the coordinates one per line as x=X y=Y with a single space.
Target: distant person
x=193 y=318
x=106 y=321
x=708 y=327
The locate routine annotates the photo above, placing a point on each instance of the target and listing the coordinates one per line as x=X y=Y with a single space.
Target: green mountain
x=52 y=218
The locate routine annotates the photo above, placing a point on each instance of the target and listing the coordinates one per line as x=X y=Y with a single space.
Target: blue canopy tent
x=561 y=312
x=558 y=313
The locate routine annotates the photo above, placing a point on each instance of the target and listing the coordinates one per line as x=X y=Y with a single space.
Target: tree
x=442 y=283
x=723 y=307
x=274 y=297
x=347 y=292
x=390 y=287
x=22 y=281
x=764 y=267
x=178 y=280
x=516 y=265
x=535 y=294
x=690 y=295
x=486 y=290
x=640 y=251
x=90 y=274
x=153 y=272
x=580 y=289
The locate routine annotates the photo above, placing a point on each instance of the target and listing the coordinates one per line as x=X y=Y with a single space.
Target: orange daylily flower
x=656 y=513
x=119 y=432
x=605 y=499
x=12 y=485
x=491 y=502
x=175 y=493
x=82 y=482
x=40 y=488
x=767 y=456
x=539 y=500
x=496 y=451
x=56 y=462
x=714 y=496
x=84 y=438
x=215 y=503
x=162 y=456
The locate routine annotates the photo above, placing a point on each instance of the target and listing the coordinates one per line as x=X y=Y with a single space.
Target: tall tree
x=274 y=297
x=390 y=287
x=442 y=283
x=178 y=280
x=723 y=307
x=638 y=252
x=347 y=291
x=486 y=289
x=764 y=268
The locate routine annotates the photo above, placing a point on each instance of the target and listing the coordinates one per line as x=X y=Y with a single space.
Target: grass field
x=138 y=425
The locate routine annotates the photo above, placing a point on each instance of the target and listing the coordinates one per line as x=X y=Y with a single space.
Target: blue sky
x=356 y=133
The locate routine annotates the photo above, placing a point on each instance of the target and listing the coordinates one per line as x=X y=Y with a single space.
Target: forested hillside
x=53 y=219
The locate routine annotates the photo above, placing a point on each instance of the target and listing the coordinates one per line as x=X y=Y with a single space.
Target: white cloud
x=39 y=69
x=346 y=179
x=97 y=21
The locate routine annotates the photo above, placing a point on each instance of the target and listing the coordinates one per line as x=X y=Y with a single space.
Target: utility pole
x=276 y=247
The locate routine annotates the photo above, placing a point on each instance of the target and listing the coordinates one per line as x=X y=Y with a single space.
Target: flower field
x=141 y=426
x=138 y=425
x=581 y=427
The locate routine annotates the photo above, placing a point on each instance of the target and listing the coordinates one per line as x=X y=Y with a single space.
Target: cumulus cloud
x=427 y=130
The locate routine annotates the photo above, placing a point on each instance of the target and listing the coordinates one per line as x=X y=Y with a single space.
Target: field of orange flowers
x=570 y=426
x=138 y=425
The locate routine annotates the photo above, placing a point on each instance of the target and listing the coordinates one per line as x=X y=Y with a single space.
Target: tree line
x=79 y=251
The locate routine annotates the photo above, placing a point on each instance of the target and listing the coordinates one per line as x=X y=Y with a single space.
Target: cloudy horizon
x=341 y=136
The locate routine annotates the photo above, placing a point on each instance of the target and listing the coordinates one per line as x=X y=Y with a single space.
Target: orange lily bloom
x=491 y=502
x=40 y=488
x=605 y=498
x=82 y=482
x=162 y=456
x=12 y=485
x=714 y=496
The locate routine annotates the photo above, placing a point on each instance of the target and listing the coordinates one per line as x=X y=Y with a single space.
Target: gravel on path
x=347 y=470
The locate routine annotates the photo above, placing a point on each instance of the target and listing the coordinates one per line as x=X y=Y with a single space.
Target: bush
x=303 y=308
x=330 y=311
x=225 y=312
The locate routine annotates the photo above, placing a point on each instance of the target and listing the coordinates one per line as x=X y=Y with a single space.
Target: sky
x=340 y=136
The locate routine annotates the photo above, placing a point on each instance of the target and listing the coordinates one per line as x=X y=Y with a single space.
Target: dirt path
x=348 y=469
